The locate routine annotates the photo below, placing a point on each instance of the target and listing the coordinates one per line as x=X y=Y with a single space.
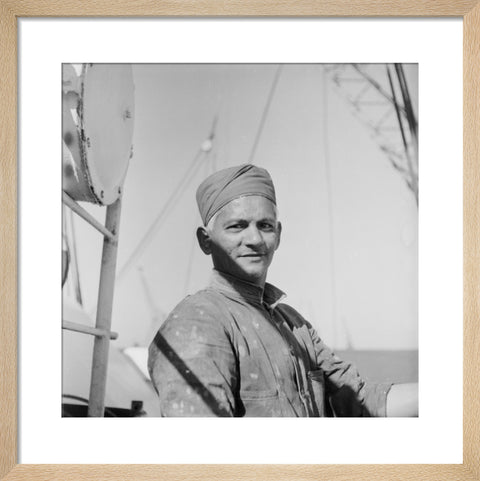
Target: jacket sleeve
x=349 y=395
x=192 y=363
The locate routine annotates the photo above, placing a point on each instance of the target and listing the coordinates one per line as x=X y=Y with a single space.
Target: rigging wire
x=328 y=181
x=403 y=158
x=265 y=113
x=209 y=169
x=412 y=121
x=177 y=192
x=194 y=166
x=412 y=179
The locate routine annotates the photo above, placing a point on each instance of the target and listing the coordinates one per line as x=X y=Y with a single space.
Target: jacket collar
x=237 y=288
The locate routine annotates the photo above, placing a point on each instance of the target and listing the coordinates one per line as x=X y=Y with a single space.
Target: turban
x=223 y=186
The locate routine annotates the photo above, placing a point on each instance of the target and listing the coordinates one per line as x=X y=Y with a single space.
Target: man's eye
x=267 y=226
x=234 y=227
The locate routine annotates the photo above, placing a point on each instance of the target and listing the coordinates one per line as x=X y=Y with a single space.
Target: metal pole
x=96 y=406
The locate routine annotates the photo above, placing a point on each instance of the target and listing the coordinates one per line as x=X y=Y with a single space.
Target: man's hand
x=402 y=400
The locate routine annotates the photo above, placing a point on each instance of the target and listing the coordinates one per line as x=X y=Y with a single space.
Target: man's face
x=243 y=238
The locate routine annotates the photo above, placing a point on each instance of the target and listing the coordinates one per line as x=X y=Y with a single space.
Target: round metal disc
x=106 y=127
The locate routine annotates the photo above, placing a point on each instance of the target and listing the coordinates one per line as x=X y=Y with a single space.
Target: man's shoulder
x=204 y=303
x=292 y=316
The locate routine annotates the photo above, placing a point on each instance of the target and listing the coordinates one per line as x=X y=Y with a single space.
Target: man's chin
x=248 y=272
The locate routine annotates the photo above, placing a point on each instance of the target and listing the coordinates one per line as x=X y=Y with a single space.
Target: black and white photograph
x=240 y=240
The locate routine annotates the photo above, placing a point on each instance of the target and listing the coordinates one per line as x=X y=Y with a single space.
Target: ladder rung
x=74 y=326
x=67 y=200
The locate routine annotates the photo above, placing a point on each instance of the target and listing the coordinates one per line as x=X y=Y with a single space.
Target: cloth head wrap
x=223 y=186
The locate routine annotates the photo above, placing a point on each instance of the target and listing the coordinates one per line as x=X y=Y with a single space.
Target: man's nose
x=253 y=236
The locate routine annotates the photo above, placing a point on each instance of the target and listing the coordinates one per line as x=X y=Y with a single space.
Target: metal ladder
x=102 y=330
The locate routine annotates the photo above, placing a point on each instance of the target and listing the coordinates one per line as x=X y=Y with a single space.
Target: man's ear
x=279 y=234
x=204 y=240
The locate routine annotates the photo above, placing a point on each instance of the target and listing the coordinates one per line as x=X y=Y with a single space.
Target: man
x=234 y=349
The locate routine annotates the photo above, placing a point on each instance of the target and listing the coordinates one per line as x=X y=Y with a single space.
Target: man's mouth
x=255 y=255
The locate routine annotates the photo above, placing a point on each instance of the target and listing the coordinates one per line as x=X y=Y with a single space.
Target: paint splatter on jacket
x=234 y=349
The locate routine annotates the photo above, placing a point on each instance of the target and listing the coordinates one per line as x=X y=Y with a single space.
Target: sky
x=348 y=257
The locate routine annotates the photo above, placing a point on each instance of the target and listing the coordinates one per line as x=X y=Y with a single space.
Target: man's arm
x=192 y=364
x=350 y=395
x=402 y=400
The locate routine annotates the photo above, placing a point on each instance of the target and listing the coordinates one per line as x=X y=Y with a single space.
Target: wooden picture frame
x=11 y=10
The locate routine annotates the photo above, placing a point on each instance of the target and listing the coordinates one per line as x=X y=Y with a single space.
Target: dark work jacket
x=234 y=349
